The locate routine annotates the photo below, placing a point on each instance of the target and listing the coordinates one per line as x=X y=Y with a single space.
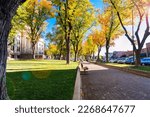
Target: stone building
x=148 y=49
x=21 y=48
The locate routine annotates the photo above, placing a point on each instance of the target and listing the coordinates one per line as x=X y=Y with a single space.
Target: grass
x=139 y=68
x=119 y=65
x=142 y=68
x=40 y=80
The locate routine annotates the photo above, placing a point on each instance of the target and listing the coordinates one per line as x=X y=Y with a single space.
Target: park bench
x=84 y=68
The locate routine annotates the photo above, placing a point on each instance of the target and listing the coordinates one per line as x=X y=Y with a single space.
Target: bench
x=84 y=68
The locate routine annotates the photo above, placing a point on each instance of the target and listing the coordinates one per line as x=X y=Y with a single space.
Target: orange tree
x=98 y=38
x=111 y=27
x=88 y=47
x=52 y=51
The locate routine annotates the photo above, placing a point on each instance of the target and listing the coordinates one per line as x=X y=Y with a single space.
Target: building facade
x=148 y=49
x=145 y=52
x=22 y=48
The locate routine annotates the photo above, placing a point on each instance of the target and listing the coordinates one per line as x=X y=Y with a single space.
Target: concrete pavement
x=101 y=83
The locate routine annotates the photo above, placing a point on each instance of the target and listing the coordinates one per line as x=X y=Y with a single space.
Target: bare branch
x=126 y=32
x=147 y=33
x=137 y=8
x=137 y=31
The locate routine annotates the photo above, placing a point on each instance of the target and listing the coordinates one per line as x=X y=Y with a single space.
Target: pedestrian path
x=101 y=83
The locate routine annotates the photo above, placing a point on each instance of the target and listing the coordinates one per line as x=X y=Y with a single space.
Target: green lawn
x=142 y=68
x=40 y=79
x=119 y=65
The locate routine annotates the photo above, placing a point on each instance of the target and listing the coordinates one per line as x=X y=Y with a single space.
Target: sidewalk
x=101 y=83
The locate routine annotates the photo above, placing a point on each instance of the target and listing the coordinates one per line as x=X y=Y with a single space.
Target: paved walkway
x=102 y=83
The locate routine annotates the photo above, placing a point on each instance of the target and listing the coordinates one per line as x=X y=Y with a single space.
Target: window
x=41 y=48
x=18 y=43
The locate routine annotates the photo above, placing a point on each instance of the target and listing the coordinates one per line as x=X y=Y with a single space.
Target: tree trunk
x=68 y=45
x=138 y=59
x=67 y=33
x=76 y=51
x=93 y=56
x=7 y=11
x=107 y=50
x=60 y=56
x=61 y=48
x=99 y=50
x=33 y=51
x=5 y=25
x=68 y=50
x=75 y=56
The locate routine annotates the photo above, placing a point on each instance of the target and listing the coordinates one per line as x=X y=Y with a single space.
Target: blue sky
x=97 y=3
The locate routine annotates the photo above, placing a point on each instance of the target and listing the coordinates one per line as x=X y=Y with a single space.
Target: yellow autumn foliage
x=98 y=37
x=45 y=3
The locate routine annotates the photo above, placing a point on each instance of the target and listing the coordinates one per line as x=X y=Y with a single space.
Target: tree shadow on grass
x=41 y=85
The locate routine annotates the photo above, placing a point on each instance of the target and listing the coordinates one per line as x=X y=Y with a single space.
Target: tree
x=111 y=27
x=33 y=14
x=64 y=13
x=11 y=37
x=57 y=37
x=84 y=19
x=67 y=13
x=88 y=47
x=98 y=38
x=52 y=51
x=7 y=11
x=141 y=7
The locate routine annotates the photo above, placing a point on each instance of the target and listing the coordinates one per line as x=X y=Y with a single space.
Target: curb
x=136 y=72
x=77 y=87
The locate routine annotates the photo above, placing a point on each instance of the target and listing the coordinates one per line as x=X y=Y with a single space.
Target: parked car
x=113 y=61
x=145 y=61
x=118 y=60
x=121 y=60
x=129 y=60
x=124 y=60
